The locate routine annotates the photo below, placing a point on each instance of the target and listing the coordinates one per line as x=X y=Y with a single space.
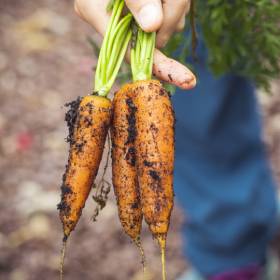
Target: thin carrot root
x=62 y=258
x=103 y=188
x=162 y=243
x=138 y=243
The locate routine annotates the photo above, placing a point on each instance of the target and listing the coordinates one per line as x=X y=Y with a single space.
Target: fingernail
x=189 y=82
x=150 y=17
x=189 y=78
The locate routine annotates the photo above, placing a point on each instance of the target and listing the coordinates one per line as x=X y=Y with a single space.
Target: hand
x=151 y=15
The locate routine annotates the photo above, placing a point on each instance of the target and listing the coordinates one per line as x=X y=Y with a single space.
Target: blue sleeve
x=222 y=177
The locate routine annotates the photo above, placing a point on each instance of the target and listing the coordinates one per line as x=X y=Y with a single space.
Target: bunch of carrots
x=141 y=124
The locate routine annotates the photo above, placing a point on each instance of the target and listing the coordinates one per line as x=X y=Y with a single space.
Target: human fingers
x=174 y=12
x=148 y=13
x=94 y=12
x=172 y=71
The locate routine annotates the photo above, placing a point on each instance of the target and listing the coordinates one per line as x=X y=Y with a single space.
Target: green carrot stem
x=151 y=48
x=106 y=88
x=112 y=50
x=144 y=46
x=115 y=22
x=133 y=62
x=114 y=69
x=138 y=45
x=142 y=56
x=99 y=75
x=119 y=37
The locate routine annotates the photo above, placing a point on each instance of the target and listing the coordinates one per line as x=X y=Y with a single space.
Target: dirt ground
x=45 y=61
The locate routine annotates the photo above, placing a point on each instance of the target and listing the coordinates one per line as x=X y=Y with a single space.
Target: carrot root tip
x=62 y=257
x=162 y=243
x=65 y=238
x=138 y=243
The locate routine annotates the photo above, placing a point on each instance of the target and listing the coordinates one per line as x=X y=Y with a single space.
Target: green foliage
x=242 y=37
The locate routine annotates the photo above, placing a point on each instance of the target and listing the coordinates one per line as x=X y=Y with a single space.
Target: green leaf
x=242 y=37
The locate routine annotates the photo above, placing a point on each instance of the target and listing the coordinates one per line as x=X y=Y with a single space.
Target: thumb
x=148 y=13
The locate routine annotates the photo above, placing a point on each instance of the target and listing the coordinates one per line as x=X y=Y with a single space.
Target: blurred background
x=46 y=61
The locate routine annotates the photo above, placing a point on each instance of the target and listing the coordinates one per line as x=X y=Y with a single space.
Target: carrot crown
x=113 y=49
x=142 y=53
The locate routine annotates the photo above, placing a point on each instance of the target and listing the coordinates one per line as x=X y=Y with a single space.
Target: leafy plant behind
x=242 y=37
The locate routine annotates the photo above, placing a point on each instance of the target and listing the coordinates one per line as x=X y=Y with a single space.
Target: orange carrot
x=154 y=142
x=125 y=179
x=88 y=121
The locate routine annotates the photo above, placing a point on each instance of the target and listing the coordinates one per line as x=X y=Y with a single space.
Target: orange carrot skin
x=155 y=123
x=88 y=125
x=124 y=162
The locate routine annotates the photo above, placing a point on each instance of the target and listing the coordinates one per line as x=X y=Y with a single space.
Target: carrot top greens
x=142 y=54
x=113 y=49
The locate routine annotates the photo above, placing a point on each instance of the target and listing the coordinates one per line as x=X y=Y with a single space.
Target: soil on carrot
x=45 y=61
x=63 y=205
x=132 y=131
x=154 y=174
x=71 y=117
x=147 y=163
